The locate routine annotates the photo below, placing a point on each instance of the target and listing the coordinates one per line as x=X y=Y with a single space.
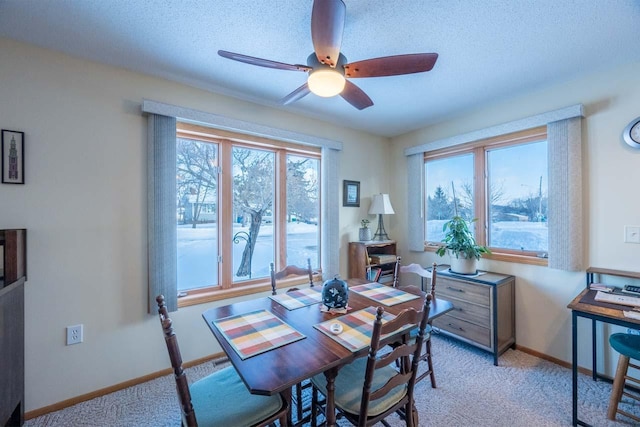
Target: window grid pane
x=197 y=214
x=517 y=205
x=303 y=210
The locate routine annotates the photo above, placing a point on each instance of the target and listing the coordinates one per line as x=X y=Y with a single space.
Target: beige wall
x=611 y=172
x=84 y=205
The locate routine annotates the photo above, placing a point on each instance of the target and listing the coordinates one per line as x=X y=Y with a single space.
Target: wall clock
x=631 y=133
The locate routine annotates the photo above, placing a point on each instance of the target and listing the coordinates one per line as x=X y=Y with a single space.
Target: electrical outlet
x=631 y=234
x=74 y=334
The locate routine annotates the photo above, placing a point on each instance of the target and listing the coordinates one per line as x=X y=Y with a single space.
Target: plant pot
x=365 y=234
x=462 y=265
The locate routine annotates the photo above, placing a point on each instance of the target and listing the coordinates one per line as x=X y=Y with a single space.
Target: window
x=503 y=182
x=243 y=203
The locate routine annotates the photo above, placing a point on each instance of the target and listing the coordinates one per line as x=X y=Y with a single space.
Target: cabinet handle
x=456 y=327
x=458 y=308
x=454 y=289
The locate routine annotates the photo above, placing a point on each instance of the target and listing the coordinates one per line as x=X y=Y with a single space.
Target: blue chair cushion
x=222 y=399
x=349 y=382
x=626 y=344
x=427 y=333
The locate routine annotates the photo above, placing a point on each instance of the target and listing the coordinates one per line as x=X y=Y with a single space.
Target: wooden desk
x=585 y=306
x=280 y=369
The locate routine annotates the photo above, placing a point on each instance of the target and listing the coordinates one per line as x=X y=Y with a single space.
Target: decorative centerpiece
x=335 y=293
x=461 y=246
x=365 y=231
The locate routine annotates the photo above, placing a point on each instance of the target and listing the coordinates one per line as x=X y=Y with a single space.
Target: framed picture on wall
x=12 y=157
x=351 y=193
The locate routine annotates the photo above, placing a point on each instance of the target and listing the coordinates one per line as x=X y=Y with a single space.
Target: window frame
x=479 y=149
x=226 y=141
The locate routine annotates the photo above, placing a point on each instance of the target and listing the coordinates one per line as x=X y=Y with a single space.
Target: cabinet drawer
x=463 y=329
x=474 y=313
x=471 y=292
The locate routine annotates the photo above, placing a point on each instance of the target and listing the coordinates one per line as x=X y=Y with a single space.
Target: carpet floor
x=523 y=391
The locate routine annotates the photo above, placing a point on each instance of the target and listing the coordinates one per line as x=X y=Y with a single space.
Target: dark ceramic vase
x=335 y=293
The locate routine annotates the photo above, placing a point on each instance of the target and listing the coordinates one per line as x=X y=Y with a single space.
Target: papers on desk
x=256 y=332
x=617 y=299
x=632 y=314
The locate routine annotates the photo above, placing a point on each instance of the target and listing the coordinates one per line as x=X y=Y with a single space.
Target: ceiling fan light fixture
x=326 y=82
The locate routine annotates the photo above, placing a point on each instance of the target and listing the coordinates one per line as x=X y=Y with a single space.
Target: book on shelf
x=373 y=274
x=382 y=259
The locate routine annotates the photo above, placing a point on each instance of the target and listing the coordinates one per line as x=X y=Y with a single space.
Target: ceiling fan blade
x=297 y=94
x=356 y=96
x=262 y=62
x=327 y=25
x=391 y=65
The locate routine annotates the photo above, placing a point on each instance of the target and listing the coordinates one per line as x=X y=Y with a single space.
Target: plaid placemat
x=357 y=328
x=297 y=299
x=384 y=294
x=256 y=332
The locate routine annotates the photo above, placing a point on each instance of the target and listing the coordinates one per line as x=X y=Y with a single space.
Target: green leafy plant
x=365 y=223
x=458 y=239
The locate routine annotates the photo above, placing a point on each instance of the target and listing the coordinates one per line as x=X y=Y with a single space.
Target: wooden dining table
x=279 y=369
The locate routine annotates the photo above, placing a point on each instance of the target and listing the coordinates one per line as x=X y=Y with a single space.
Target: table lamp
x=381 y=205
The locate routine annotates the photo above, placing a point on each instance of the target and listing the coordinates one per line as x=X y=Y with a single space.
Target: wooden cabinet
x=362 y=255
x=12 y=278
x=484 y=309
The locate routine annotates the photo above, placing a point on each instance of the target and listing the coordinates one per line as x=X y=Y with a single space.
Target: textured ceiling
x=489 y=50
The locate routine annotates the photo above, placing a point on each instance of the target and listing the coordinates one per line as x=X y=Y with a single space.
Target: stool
x=629 y=348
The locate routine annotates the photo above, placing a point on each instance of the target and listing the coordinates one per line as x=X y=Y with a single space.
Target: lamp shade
x=381 y=205
x=326 y=82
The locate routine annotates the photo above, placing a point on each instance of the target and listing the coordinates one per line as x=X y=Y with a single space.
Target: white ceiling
x=489 y=49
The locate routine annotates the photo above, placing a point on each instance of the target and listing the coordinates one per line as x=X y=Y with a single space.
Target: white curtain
x=415 y=201
x=161 y=211
x=564 y=139
x=329 y=239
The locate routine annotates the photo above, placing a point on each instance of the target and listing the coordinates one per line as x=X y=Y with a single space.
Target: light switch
x=631 y=234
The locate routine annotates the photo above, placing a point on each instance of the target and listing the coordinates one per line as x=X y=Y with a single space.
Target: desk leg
x=330 y=412
x=594 y=351
x=574 y=365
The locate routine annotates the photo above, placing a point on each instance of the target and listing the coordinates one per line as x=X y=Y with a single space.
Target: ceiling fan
x=327 y=66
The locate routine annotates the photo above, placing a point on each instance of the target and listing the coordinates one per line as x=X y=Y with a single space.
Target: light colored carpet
x=522 y=391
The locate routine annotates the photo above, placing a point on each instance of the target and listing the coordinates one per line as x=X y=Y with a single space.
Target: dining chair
x=369 y=389
x=220 y=399
x=290 y=270
x=424 y=274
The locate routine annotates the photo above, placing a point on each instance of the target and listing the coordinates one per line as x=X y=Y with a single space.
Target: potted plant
x=365 y=231
x=461 y=246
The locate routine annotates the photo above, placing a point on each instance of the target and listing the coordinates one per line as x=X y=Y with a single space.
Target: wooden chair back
x=290 y=270
x=182 y=385
x=424 y=274
x=406 y=355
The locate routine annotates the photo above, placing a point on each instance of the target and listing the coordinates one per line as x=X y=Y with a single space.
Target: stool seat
x=626 y=344
x=629 y=348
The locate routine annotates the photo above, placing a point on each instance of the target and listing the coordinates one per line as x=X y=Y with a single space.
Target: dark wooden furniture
x=360 y=259
x=290 y=270
x=584 y=305
x=379 y=400
x=275 y=276
x=219 y=399
x=484 y=309
x=13 y=276
x=317 y=353
x=432 y=276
